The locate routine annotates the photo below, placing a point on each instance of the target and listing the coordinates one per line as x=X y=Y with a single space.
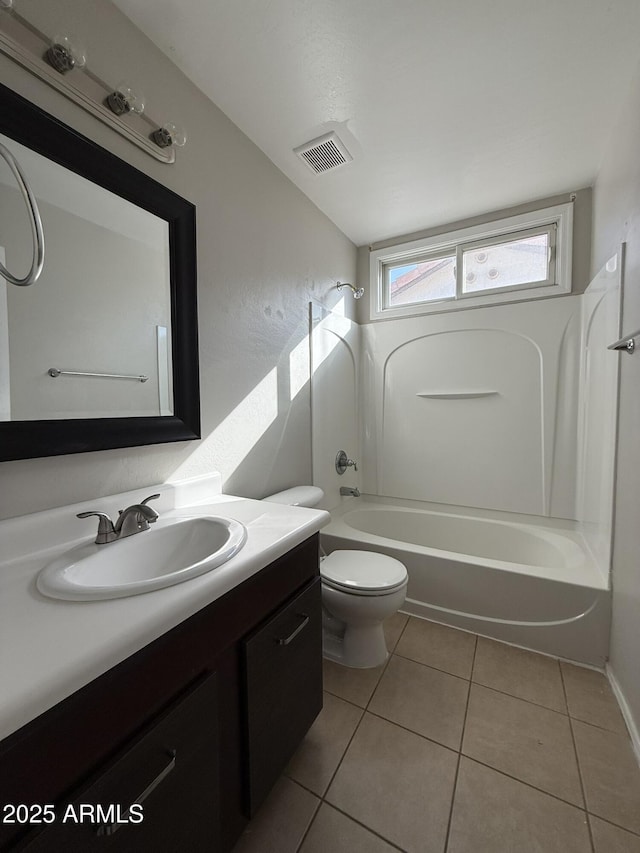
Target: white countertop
x=50 y=648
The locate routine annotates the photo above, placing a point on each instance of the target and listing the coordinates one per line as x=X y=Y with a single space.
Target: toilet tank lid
x=297 y=496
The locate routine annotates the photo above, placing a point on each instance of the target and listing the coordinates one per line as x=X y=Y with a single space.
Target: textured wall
x=335 y=394
x=264 y=251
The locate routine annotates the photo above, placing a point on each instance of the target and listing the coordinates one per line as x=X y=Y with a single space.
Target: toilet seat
x=362 y=572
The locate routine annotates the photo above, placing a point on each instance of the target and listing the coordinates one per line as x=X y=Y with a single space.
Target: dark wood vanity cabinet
x=196 y=728
x=283 y=677
x=170 y=771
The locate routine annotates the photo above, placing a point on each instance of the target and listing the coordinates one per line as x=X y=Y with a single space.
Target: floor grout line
x=431 y=666
x=520 y=699
x=457 y=773
x=311 y=822
x=365 y=709
x=322 y=797
x=613 y=823
x=575 y=751
x=522 y=782
x=461 y=754
x=364 y=826
x=459 y=751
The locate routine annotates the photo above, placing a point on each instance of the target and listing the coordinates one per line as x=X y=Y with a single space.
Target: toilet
x=360 y=589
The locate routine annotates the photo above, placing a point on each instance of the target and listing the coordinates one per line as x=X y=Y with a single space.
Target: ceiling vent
x=324 y=153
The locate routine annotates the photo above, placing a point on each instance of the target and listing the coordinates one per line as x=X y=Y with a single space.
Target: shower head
x=358 y=292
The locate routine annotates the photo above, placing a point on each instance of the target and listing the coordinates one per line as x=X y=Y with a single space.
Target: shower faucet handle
x=343 y=462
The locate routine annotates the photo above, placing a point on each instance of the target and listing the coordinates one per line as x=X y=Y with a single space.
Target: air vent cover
x=324 y=153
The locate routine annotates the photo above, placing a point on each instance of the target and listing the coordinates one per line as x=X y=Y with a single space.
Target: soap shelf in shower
x=456 y=395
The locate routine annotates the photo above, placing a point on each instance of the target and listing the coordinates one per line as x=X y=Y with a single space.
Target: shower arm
x=36 y=224
x=358 y=292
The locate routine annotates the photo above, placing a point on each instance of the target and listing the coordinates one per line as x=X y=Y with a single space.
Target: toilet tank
x=297 y=496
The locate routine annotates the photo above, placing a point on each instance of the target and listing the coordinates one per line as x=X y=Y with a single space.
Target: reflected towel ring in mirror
x=36 y=224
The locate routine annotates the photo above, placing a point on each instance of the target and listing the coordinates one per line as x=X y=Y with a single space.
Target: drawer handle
x=284 y=641
x=111 y=828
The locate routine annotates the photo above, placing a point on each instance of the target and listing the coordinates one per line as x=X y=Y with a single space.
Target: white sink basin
x=170 y=552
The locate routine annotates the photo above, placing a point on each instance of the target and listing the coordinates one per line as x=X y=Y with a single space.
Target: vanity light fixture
x=61 y=63
x=66 y=53
x=358 y=292
x=125 y=99
x=169 y=134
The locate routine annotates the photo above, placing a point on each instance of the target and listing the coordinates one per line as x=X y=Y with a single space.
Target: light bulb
x=66 y=52
x=170 y=134
x=126 y=99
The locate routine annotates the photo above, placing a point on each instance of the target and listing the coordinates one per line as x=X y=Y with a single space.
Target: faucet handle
x=106 y=530
x=150 y=515
x=343 y=462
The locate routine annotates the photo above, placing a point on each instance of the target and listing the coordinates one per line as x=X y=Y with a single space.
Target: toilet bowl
x=360 y=589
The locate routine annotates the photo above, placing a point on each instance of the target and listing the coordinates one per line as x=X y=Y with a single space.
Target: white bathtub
x=503 y=576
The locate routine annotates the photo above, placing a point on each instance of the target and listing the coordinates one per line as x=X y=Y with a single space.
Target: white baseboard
x=626 y=711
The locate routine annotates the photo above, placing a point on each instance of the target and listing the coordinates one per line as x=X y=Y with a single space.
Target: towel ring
x=36 y=224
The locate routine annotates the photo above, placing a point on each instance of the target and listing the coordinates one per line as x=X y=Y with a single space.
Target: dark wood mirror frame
x=36 y=129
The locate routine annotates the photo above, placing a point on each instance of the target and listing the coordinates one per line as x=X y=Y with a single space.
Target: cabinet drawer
x=171 y=770
x=283 y=674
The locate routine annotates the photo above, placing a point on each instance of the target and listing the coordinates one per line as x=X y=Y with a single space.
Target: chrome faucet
x=346 y=491
x=133 y=519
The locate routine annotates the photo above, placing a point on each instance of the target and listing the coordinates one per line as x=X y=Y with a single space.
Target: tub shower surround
x=488 y=457
x=515 y=578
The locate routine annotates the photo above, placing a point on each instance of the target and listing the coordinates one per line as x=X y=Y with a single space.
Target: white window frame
x=558 y=219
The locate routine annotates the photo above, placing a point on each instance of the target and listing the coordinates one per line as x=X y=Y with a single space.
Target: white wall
x=617 y=219
x=335 y=394
x=264 y=251
x=94 y=309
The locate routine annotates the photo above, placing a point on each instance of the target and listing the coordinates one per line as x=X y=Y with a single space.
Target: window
x=523 y=257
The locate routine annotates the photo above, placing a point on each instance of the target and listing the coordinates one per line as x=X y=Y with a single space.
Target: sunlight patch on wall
x=233 y=439
x=323 y=344
x=340 y=308
x=298 y=367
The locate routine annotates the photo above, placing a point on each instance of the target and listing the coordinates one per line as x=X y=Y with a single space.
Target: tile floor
x=457 y=744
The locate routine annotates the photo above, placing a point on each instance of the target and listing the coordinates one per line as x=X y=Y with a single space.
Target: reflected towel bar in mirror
x=54 y=371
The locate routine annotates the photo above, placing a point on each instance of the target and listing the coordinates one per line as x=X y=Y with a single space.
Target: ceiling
x=450 y=108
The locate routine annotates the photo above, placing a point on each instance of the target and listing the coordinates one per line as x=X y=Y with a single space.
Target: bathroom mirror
x=101 y=352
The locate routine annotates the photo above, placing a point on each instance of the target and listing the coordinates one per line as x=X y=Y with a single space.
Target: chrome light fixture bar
x=54 y=63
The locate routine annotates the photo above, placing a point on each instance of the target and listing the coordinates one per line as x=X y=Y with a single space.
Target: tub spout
x=347 y=491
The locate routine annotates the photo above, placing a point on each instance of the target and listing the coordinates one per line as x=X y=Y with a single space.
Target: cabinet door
x=171 y=771
x=283 y=673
